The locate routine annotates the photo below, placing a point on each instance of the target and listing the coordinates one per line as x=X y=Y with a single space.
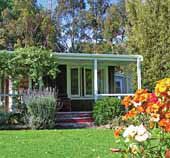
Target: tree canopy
x=25 y=24
x=149 y=35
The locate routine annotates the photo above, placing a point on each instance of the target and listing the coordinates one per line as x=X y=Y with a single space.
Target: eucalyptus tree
x=70 y=21
x=114 y=28
x=95 y=18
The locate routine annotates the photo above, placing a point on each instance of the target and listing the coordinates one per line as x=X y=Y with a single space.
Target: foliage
x=149 y=120
x=106 y=109
x=114 y=27
x=4 y=118
x=5 y=4
x=149 y=35
x=71 y=29
x=41 y=109
x=102 y=21
x=32 y=61
x=10 y=118
x=24 y=24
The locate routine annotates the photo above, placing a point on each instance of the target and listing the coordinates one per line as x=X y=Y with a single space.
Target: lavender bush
x=41 y=107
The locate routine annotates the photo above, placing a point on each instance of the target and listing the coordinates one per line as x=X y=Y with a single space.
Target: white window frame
x=92 y=73
x=69 y=83
x=79 y=96
x=121 y=84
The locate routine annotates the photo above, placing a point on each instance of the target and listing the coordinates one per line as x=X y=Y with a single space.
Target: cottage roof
x=103 y=57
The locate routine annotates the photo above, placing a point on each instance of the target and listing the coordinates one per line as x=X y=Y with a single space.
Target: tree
x=68 y=15
x=27 y=25
x=5 y=4
x=149 y=35
x=106 y=26
x=114 y=27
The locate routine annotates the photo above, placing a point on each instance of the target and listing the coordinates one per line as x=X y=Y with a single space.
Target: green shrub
x=106 y=109
x=41 y=109
x=4 y=118
x=10 y=118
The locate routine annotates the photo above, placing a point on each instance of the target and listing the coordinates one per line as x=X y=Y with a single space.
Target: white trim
x=139 y=79
x=115 y=95
x=10 y=91
x=121 y=84
x=119 y=60
x=103 y=95
x=111 y=57
x=82 y=98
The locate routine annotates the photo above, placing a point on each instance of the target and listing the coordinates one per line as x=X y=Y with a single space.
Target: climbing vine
x=29 y=62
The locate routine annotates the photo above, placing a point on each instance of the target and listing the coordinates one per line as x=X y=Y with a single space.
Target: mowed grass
x=75 y=143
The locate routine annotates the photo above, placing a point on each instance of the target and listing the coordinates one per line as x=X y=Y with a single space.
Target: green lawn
x=77 y=143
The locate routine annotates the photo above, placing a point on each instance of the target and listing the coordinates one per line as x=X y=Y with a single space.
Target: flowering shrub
x=148 y=115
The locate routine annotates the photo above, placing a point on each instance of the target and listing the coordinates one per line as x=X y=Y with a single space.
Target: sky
x=44 y=3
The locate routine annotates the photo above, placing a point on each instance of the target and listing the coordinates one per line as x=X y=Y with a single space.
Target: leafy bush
x=106 y=109
x=10 y=118
x=41 y=107
x=4 y=118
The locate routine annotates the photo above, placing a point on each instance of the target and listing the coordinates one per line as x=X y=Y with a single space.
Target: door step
x=74 y=120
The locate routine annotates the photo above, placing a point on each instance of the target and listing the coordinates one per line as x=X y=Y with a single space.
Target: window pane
x=118 y=87
x=100 y=81
x=89 y=80
x=74 y=81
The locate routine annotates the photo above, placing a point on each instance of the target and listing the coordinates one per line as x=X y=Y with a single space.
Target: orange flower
x=136 y=98
x=149 y=109
x=126 y=101
x=141 y=95
x=152 y=108
x=164 y=122
x=141 y=91
x=117 y=133
x=140 y=109
x=167 y=115
x=144 y=97
x=130 y=114
x=167 y=128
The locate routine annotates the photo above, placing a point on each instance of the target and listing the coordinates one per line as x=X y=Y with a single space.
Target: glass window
x=118 y=89
x=101 y=81
x=74 y=81
x=118 y=86
x=88 y=81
